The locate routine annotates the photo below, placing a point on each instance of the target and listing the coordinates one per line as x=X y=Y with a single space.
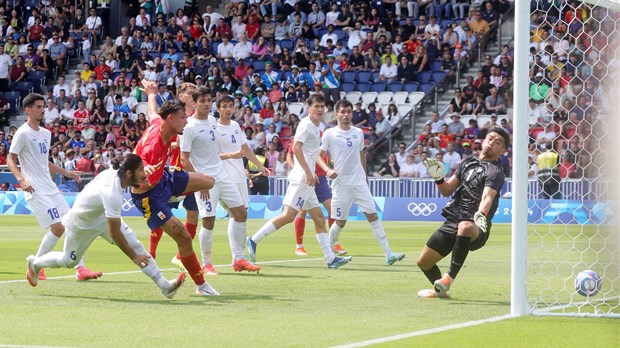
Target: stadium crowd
x=271 y=55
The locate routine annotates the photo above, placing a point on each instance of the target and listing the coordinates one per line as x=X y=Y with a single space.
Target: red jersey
x=153 y=151
x=317 y=170
x=175 y=154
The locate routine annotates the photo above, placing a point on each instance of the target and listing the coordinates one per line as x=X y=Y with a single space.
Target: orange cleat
x=245 y=265
x=339 y=250
x=42 y=275
x=209 y=270
x=84 y=274
x=301 y=252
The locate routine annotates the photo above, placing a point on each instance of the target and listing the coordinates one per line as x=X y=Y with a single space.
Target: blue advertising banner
x=388 y=209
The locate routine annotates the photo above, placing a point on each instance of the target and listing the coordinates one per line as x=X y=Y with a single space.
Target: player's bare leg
x=286 y=217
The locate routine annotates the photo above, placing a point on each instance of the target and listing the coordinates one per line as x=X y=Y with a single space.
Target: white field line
x=163 y=269
x=425 y=332
x=22 y=346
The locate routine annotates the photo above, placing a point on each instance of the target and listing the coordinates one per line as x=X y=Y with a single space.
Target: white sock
x=80 y=263
x=334 y=233
x=47 y=244
x=53 y=259
x=264 y=231
x=236 y=237
x=323 y=239
x=206 y=245
x=152 y=271
x=300 y=246
x=379 y=232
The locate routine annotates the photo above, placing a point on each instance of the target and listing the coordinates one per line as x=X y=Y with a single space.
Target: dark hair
x=170 y=107
x=342 y=104
x=32 y=98
x=224 y=99
x=502 y=132
x=201 y=92
x=129 y=162
x=316 y=98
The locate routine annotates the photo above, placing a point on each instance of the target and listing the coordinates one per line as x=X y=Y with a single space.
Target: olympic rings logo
x=421 y=209
x=127 y=205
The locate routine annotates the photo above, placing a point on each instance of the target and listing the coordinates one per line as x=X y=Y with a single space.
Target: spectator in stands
x=495 y=102
x=547 y=136
x=436 y=122
x=444 y=137
x=3 y=153
x=390 y=168
x=548 y=172
x=406 y=71
x=225 y=49
x=456 y=127
x=478 y=25
x=408 y=169
x=451 y=157
x=359 y=118
x=539 y=88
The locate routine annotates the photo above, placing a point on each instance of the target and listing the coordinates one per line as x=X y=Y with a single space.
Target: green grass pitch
x=294 y=301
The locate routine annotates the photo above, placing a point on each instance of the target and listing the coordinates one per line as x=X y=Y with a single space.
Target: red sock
x=330 y=221
x=300 y=225
x=193 y=268
x=155 y=237
x=191 y=228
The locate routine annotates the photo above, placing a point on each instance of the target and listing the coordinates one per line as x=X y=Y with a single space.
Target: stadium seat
x=400 y=97
x=425 y=76
x=348 y=86
x=427 y=88
x=415 y=97
x=340 y=33
x=38 y=80
x=286 y=43
x=369 y=97
x=141 y=108
x=465 y=119
x=258 y=65
x=378 y=86
x=363 y=87
x=395 y=86
x=404 y=109
x=436 y=66
x=349 y=76
x=384 y=98
x=411 y=87
x=364 y=76
x=296 y=108
x=343 y=94
x=24 y=88
x=374 y=77
x=14 y=98
x=353 y=97
x=439 y=76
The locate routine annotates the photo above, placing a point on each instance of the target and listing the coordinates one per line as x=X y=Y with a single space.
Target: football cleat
x=83 y=274
x=339 y=261
x=443 y=285
x=245 y=265
x=42 y=275
x=177 y=263
x=31 y=271
x=206 y=290
x=394 y=257
x=251 y=247
x=431 y=293
x=339 y=250
x=301 y=252
x=209 y=270
x=174 y=286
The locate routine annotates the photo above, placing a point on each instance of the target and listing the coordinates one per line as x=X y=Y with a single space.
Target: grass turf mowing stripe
x=425 y=332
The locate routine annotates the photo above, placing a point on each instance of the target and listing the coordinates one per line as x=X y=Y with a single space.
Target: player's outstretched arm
x=11 y=161
x=301 y=160
x=488 y=195
x=150 y=88
x=114 y=227
x=332 y=174
x=249 y=154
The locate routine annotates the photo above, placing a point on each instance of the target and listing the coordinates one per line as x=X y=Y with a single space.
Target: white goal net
x=572 y=226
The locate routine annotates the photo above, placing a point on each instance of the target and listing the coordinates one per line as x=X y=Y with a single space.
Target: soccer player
x=232 y=147
x=199 y=153
x=97 y=212
x=31 y=145
x=300 y=193
x=185 y=92
x=164 y=182
x=475 y=185
x=345 y=145
x=324 y=195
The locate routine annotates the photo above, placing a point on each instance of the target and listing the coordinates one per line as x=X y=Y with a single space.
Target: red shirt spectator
x=567 y=168
x=100 y=69
x=252 y=29
x=35 y=32
x=222 y=29
x=240 y=70
x=80 y=115
x=196 y=30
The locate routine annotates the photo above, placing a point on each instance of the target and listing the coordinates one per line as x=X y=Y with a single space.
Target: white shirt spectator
x=388 y=72
x=421 y=169
x=432 y=29
x=93 y=22
x=238 y=29
x=326 y=36
x=5 y=63
x=356 y=37
x=242 y=50
x=452 y=159
x=64 y=86
x=225 y=51
x=331 y=17
x=139 y=20
x=50 y=116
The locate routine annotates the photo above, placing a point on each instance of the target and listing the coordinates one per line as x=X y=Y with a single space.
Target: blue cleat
x=339 y=261
x=394 y=257
x=251 y=246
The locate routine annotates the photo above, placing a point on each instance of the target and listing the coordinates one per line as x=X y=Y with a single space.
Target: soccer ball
x=587 y=283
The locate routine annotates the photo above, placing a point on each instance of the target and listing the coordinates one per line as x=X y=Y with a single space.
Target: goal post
x=557 y=235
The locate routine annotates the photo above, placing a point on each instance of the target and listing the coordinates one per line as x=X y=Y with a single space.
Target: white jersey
x=344 y=148
x=200 y=140
x=231 y=139
x=102 y=198
x=308 y=134
x=32 y=148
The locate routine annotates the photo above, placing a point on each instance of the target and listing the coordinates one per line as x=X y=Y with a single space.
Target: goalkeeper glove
x=434 y=168
x=481 y=221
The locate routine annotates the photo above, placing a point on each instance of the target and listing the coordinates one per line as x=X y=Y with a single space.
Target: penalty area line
x=164 y=269
x=425 y=332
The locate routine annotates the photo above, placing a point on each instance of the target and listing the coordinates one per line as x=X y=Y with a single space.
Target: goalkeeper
x=475 y=185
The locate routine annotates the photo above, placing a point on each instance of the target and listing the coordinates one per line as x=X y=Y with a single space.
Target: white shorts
x=343 y=197
x=77 y=240
x=300 y=196
x=244 y=192
x=48 y=208
x=224 y=192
